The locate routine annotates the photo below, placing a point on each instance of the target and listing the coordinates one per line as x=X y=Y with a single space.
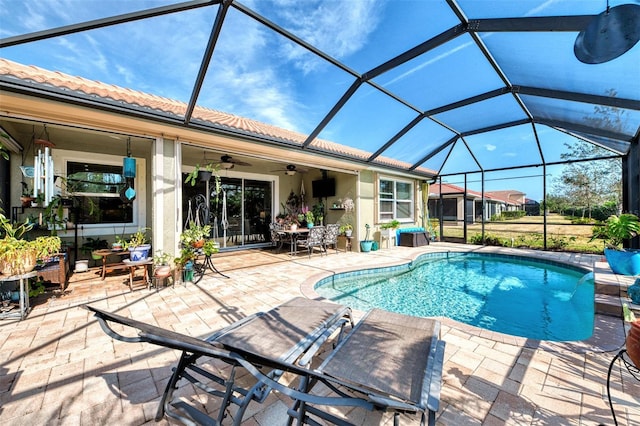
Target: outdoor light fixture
x=609 y=35
x=227 y=166
x=129 y=164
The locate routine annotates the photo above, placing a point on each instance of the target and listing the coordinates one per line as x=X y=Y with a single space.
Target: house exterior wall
x=161 y=164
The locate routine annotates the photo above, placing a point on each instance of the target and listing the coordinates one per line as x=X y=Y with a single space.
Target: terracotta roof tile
x=448 y=188
x=170 y=106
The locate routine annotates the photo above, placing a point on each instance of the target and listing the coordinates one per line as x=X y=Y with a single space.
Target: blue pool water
x=507 y=294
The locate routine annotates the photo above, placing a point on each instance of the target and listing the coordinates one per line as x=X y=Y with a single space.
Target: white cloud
x=338 y=28
x=490 y=147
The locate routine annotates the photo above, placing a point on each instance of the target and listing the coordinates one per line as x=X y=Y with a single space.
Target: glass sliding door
x=240 y=214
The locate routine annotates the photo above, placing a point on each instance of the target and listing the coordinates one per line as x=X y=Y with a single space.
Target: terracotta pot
x=633 y=343
x=162 y=271
x=197 y=244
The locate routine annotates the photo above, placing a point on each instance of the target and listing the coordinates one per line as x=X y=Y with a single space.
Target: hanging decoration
x=43 y=169
x=128 y=193
x=129 y=164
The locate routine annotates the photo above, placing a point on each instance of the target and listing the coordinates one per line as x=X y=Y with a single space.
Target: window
x=395 y=198
x=96 y=190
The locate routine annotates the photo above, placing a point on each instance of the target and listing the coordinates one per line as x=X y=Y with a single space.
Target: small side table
x=631 y=368
x=389 y=235
x=347 y=242
x=24 y=295
x=144 y=264
x=106 y=253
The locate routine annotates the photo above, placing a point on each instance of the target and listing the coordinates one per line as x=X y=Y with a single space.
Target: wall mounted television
x=324 y=188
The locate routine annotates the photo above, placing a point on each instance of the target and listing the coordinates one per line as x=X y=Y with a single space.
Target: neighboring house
x=532 y=207
x=256 y=183
x=453 y=198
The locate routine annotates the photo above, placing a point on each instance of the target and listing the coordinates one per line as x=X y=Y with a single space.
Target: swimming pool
x=508 y=294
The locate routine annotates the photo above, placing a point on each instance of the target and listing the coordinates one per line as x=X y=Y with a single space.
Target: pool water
x=507 y=294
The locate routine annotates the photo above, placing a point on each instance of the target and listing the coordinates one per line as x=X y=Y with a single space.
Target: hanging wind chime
x=43 y=169
x=128 y=194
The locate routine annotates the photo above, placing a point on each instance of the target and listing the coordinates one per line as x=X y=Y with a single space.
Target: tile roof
x=501 y=196
x=140 y=100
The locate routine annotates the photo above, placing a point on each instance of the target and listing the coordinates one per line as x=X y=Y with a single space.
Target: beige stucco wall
x=157 y=146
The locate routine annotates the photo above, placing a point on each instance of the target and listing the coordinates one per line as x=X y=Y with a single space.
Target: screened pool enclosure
x=487 y=95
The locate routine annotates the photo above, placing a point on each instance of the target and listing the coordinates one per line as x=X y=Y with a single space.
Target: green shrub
x=510 y=215
x=489 y=240
x=516 y=214
x=582 y=221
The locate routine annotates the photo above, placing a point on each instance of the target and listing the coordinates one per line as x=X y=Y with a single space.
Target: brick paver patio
x=58 y=367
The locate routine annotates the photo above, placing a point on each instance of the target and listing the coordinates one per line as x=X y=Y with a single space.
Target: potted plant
x=18 y=255
x=615 y=230
x=318 y=213
x=93 y=244
x=137 y=245
x=162 y=264
x=309 y=218
x=210 y=247
x=183 y=262
x=346 y=229
x=46 y=246
x=390 y=225
x=26 y=198
x=203 y=174
x=366 y=244
x=195 y=235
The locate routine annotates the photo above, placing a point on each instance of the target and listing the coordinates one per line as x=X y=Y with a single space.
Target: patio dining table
x=293 y=235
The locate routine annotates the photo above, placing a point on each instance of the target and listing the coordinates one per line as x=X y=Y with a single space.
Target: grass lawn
x=528 y=231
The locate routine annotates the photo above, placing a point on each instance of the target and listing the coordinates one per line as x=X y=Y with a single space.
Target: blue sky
x=259 y=74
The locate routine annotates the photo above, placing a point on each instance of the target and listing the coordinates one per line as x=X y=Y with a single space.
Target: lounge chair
x=282 y=336
x=389 y=362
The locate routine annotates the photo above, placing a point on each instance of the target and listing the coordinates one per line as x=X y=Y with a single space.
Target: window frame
x=61 y=158
x=395 y=200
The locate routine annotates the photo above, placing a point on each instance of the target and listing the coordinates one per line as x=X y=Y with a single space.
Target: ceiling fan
x=291 y=170
x=228 y=162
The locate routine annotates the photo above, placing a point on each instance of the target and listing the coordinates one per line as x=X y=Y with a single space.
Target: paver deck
x=58 y=367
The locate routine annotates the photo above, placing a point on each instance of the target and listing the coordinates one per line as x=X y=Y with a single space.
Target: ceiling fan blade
x=227 y=159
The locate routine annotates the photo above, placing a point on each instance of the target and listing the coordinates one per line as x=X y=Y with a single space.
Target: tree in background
x=588 y=184
x=594 y=182
x=556 y=203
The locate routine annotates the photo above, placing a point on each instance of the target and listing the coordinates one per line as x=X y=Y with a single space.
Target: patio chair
x=330 y=237
x=290 y=333
x=389 y=362
x=314 y=239
x=278 y=238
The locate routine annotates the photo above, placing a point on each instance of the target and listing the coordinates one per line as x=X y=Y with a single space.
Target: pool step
x=610 y=289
